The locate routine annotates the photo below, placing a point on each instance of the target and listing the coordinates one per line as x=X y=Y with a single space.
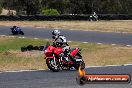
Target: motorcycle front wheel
x=53 y=65
x=21 y=32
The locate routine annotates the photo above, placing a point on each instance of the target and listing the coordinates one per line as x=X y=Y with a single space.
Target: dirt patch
x=109 y=56
x=3 y=38
x=109 y=26
x=18 y=54
x=17 y=60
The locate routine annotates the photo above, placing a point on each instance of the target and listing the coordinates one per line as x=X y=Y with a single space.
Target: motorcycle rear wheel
x=52 y=67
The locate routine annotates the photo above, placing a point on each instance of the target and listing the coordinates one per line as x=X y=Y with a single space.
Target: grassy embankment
x=11 y=58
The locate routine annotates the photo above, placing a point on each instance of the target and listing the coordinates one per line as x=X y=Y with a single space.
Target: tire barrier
x=31 y=47
x=65 y=17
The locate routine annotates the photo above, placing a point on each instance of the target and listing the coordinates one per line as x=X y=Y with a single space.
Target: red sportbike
x=56 y=61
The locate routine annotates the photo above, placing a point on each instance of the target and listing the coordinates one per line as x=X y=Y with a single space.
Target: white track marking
x=2 y=35
x=113 y=44
x=44 y=69
x=13 y=36
x=69 y=41
x=36 y=38
x=109 y=65
x=127 y=64
x=99 y=43
x=21 y=37
x=85 y=42
x=22 y=71
x=128 y=45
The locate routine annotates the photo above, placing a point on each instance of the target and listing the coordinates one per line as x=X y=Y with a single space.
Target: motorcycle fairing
x=74 y=52
x=49 y=52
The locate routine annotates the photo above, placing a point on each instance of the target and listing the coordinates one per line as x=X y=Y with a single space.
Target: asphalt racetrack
x=66 y=79
x=62 y=79
x=72 y=35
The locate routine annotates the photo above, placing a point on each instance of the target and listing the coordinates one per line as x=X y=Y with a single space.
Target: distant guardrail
x=65 y=17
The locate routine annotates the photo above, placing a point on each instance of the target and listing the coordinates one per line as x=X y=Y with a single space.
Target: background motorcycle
x=93 y=18
x=15 y=32
x=55 y=61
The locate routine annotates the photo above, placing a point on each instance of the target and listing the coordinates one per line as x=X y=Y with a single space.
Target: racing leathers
x=60 y=41
x=15 y=28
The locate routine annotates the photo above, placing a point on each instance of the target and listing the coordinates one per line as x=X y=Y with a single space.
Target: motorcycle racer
x=60 y=41
x=94 y=17
x=16 y=28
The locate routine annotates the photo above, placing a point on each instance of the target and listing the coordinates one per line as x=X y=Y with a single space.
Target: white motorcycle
x=93 y=17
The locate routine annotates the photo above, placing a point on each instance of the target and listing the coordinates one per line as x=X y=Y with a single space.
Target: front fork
x=60 y=61
x=54 y=59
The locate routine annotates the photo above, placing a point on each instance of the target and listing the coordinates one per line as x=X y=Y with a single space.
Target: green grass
x=16 y=43
x=11 y=58
x=91 y=47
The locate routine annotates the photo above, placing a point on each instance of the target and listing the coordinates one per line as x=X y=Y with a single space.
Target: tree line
x=32 y=7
